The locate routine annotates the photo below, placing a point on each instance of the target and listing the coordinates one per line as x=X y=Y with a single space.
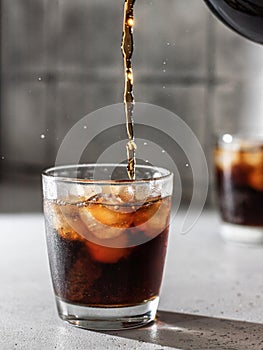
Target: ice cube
x=157 y=175
x=224 y=159
x=145 y=213
x=254 y=159
x=53 y=214
x=156 y=189
x=105 y=221
x=157 y=223
x=62 y=191
x=126 y=193
x=122 y=192
x=113 y=212
x=154 y=218
x=78 y=192
x=63 y=219
x=71 y=218
x=142 y=192
x=109 y=254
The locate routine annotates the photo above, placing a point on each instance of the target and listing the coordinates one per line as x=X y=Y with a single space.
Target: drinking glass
x=239 y=179
x=107 y=239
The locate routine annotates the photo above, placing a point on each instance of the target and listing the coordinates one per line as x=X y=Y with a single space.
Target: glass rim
x=46 y=173
x=229 y=137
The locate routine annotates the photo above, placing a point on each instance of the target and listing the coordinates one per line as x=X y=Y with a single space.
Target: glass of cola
x=107 y=238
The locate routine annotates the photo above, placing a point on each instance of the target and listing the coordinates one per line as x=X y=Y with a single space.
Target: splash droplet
x=39 y=78
x=3 y=158
x=187 y=165
x=85 y=127
x=42 y=136
x=163 y=151
x=145 y=143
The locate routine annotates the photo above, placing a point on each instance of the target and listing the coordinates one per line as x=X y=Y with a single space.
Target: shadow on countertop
x=193 y=332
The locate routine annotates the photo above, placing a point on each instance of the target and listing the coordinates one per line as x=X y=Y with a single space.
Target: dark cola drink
x=243 y=16
x=239 y=180
x=128 y=96
x=104 y=252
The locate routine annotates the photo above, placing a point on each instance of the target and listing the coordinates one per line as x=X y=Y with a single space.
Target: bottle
x=243 y=16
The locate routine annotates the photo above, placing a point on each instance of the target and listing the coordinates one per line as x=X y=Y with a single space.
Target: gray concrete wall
x=61 y=60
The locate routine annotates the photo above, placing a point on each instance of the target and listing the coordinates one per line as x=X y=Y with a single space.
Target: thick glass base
x=103 y=318
x=242 y=234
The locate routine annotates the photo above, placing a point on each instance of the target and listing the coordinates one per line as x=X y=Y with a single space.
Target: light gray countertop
x=206 y=284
